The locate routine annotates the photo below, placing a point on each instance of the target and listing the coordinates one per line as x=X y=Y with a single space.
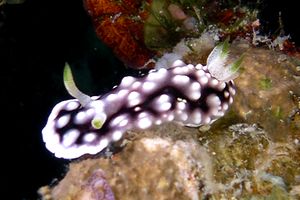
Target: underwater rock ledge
x=253 y=152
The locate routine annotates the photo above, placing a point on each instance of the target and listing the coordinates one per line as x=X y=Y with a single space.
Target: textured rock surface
x=268 y=91
x=253 y=152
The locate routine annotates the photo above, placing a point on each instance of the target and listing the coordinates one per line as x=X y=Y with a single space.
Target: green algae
x=265 y=83
x=162 y=29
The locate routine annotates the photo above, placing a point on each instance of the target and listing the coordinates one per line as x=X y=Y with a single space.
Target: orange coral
x=119 y=24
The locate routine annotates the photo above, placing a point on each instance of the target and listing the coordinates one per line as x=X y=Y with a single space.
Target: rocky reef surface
x=253 y=152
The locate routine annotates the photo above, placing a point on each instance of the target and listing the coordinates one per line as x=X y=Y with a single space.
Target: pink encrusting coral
x=97 y=188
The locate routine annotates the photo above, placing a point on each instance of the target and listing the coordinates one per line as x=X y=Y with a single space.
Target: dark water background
x=36 y=39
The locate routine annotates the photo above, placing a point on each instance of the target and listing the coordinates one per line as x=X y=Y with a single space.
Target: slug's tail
x=216 y=63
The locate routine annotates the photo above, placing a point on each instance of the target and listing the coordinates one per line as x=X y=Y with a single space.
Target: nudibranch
x=184 y=93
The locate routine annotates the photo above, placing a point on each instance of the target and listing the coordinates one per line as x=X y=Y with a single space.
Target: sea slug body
x=185 y=94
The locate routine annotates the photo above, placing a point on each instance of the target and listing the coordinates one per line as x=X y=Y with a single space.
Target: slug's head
x=73 y=126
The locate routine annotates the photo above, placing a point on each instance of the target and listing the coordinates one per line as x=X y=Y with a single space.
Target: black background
x=36 y=39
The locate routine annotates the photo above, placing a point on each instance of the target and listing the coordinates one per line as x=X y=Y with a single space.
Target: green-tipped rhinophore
x=224 y=46
x=72 y=88
x=236 y=65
